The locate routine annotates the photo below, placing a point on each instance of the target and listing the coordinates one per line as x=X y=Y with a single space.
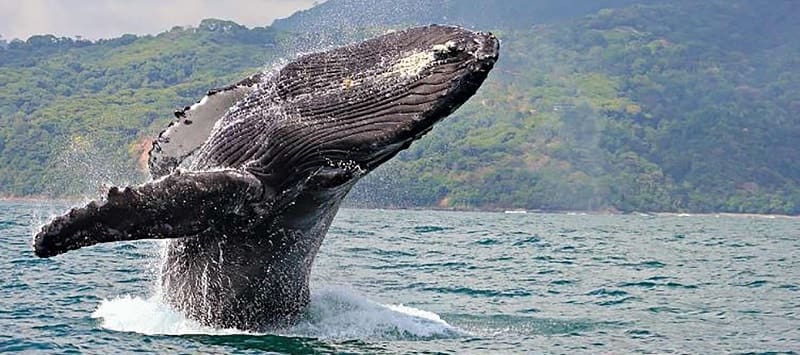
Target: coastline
x=519 y=211
x=40 y=199
x=511 y=211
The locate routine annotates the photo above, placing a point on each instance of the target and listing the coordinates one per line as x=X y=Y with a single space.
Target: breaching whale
x=247 y=181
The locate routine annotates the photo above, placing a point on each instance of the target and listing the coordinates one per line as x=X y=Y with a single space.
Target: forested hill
x=684 y=106
x=77 y=114
x=333 y=17
x=679 y=106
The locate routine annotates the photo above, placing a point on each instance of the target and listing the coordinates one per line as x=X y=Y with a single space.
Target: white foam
x=334 y=313
x=149 y=316
x=339 y=313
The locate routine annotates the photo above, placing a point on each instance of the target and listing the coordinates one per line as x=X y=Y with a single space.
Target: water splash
x=335 y=313
x=340 y=313
x=147 y=316
x=87 y=165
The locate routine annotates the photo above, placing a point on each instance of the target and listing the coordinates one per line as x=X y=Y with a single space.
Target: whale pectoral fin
x=193 y=124
x=178 y=205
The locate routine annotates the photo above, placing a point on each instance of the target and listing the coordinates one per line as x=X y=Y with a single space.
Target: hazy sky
x=94 y=19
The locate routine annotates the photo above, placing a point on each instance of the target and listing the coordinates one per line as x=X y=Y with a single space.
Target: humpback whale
x=246 y=182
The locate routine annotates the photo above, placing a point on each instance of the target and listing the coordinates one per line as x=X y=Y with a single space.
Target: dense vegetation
x=687 y=106
x=658 y=108
x=66 y=103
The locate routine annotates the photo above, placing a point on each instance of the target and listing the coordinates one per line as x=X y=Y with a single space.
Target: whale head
x=348 y=110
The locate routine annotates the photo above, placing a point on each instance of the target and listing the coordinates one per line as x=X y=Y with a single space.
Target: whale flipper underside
x=179 y=205
x=193 y=124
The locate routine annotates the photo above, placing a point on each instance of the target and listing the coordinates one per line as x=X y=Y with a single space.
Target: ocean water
x=441 y=282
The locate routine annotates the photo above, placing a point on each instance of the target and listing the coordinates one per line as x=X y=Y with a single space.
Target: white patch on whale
x=412 y=65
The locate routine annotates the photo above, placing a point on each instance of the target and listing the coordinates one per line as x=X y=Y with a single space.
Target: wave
x=334 y=313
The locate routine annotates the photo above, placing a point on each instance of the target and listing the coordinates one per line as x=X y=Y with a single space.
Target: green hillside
x=342 y=15
x=656 y=108
x=687 y=106
x=66 y=103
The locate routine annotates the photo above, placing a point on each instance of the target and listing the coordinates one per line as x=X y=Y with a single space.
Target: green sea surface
x=396 y=281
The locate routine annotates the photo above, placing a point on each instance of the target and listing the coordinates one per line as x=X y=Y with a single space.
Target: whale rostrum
x=247 y=181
